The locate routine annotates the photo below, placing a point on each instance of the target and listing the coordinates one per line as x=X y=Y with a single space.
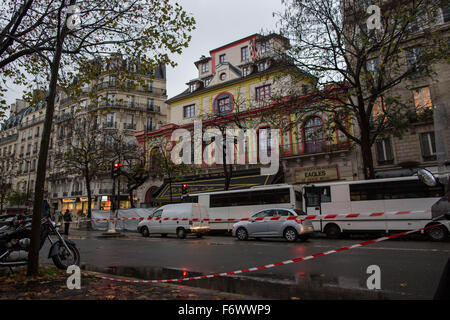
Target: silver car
x=282 y=228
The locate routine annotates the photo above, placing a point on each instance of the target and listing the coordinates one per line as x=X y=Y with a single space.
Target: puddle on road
x=269 y=286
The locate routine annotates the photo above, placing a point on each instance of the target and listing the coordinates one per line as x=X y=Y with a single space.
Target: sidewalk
x=51 y=285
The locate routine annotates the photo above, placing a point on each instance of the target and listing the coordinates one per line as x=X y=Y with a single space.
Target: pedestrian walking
x=67 y=221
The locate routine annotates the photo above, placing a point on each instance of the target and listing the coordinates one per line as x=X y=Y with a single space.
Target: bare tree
x=84 y=153
x=124 y=149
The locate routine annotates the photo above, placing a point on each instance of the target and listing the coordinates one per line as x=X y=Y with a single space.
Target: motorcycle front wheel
x=65 y=258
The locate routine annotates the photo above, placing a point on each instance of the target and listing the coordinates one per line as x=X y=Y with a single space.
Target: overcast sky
x=218 y=22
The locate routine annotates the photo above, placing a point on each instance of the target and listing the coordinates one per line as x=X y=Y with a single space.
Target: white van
x=176 y=219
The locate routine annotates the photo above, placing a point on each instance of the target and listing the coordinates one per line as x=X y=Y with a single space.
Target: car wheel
x=290 y=234
x=181 y=233
x=332 y=231
x=437 y=233
x=241 y=234
x=145 y=232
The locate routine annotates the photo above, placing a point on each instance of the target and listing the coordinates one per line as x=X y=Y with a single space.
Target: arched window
x=314 y=135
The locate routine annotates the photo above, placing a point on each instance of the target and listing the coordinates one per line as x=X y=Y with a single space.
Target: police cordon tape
x=273 y=265
x=276 y=218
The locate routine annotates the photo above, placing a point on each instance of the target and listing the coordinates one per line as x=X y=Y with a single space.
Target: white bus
x=242 y=203
x=374 y=196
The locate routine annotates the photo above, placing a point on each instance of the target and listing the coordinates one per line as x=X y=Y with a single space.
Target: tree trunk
x=33 y=255
x=89 y=195
x=367 y=157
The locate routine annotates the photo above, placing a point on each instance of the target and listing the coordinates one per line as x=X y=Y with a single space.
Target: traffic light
x=116 y=169
x=184 y=188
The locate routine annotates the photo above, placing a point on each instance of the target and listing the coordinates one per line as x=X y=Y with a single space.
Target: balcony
x=129 y=126
x=153 y=108
x=109 y=125
x=64 y=117
x=149 y=128
x=131 y=106
x=10 y=138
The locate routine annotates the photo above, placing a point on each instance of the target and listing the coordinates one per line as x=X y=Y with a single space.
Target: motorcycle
x=15 y=241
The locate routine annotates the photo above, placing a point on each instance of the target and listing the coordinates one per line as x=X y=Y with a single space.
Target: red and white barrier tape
x=303 y=217
x=273 y=265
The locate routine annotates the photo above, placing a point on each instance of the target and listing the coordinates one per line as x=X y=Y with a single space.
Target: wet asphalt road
x=410 y=269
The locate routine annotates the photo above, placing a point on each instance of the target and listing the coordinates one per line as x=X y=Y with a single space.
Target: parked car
x=176 y=219
x=291 y=230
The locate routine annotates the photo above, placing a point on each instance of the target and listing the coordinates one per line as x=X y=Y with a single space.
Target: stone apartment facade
x=123 y=110
x=399 y=156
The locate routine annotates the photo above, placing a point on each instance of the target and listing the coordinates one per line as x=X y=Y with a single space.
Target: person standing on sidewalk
x=67 y=221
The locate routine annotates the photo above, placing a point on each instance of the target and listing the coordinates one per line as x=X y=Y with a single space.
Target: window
x=316 y=195
x=189 y=111
x=192 y=87
x=263 y=93
x=314 y=135
x=112 y=81
x=245 y=71
x=110 y=99
x=378 y=108
x=262 y=66
x=428 y=146
x=149 y=85
x=414 y=59
x=224 y=105
x=265 y=46
x=394 y=190
x=110 y=120
x=130 y=119
x=262 y=214
x=207 y=82
x=150 y=104
x=384 y=152
x=244 y=53
x=223 y=76
x=373 y=66
x=109 y=141
x=422 y=99
x=205 y=67
x=130 y=101
x=149 y=125
x=250 y=198
x=130 y=84
x=222 y=58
